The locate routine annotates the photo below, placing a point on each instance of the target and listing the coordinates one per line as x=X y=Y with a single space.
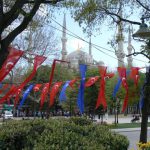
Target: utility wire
x=94 y=45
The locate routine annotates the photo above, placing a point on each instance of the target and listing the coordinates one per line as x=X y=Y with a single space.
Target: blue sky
x=100 y=39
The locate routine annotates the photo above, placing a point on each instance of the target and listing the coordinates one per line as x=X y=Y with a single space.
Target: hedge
x=59 y=134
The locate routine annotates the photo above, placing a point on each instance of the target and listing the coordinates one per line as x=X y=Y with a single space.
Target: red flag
x=44 y=94
x=91 y=81
x=101 y=96
x=54 y=91
x=38 y=60
x=110 y=75
x=72 y=82
x=13 y=56
x=8 y=94
x=135 y=75
x=37 y=87
x=125 y=103
x=4 y=88
x=122 y=74
x=17 y=96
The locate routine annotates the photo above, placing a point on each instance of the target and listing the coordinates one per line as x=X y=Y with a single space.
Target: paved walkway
x=133 y=134
x=121 y=119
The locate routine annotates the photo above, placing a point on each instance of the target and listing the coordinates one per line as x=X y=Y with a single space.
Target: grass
x=127 y=125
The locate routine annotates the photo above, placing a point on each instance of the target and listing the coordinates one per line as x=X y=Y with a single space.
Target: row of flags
x=14 y=56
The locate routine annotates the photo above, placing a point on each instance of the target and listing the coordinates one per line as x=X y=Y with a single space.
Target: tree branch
x=24 y=23
x=137 y=53
x=120 y=18
x=145 y=7
x=10 y=16
x=45 y=2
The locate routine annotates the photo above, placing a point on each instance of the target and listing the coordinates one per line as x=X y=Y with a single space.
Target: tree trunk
x=143 y=135
x=145 y=109
x=3 y=53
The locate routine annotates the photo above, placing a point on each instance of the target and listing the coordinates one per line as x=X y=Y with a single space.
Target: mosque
x=80 y=57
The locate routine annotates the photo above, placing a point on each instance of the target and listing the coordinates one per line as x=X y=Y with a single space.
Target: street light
x=144 y=33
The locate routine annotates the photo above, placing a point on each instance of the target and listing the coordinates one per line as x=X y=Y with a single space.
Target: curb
x=128 y=129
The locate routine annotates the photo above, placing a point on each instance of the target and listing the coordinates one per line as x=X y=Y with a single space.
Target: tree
x=38 y=38
x=42 y=76
x=11 y=11
x=93 y=13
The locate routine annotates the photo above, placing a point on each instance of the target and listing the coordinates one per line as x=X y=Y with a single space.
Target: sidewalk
x=127 y=129
x=121 y=119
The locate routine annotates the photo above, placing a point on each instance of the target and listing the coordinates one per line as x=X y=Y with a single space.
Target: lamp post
x=144 y=33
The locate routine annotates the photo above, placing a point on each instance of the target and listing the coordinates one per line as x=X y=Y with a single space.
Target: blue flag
x=62 y=96
x=128 y=72
x=1 y=85
x=25 y=95
x=80 y=100
x=117 y=87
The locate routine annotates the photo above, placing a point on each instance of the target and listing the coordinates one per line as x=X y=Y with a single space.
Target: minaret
x=90 y=47
x=64 y=40
x=120 y=39
x=78 y=48
x=130 y=59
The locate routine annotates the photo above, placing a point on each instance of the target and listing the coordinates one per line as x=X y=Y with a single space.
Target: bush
x=82 y=121
x=56 y=134
x=144 y=146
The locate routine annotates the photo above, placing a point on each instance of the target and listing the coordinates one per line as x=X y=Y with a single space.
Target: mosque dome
x=79 y=57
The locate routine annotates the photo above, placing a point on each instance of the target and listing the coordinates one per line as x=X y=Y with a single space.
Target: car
x=8 y=115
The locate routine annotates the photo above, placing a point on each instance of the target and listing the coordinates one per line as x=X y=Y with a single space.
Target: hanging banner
x=44 y=94
x=117 y=86
x=5 y=87
x=13 y=57
x=62 y=96
x=134 y=74
x=8 y=94
x=101 y=96
x=72 y=82
x=91 y=81
x=17 y=96
x=25 y=95
x=122 y=75
x=37 y=87
x=53 y=69
x=38 y=60
x=54 y=91
x=1 y=85
x=80 y=100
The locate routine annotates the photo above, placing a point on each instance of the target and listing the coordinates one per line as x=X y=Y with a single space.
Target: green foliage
x=80 y=121
x=61 y=134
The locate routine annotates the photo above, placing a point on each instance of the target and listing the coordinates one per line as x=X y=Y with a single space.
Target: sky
x=100 y=39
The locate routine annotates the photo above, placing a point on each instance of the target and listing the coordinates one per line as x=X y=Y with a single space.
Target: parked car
x=7 y=115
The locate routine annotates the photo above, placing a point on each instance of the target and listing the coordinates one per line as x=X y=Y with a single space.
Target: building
x=78 y=56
